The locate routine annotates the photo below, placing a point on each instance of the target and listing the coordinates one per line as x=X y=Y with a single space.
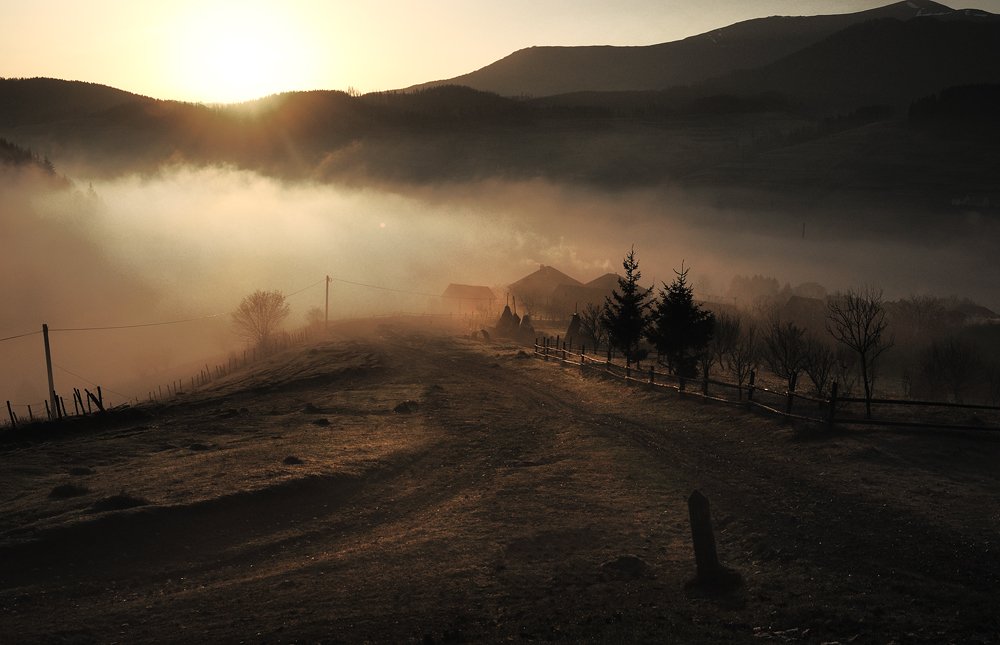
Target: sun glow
x=230 y=53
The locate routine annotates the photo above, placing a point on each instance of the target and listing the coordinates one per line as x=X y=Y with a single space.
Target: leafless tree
x=857 y=320
x=724 y=339
x=743 y=357
x=591 y=325
x=315 y=318
x=259 y=316
x=845 y=372
x=784 y=350
x=820 y=363
x=953 y=364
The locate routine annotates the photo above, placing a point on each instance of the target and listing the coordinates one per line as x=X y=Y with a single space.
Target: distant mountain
x=884 y=61
x=40 y=100
x=828 y=114
x=546 y=71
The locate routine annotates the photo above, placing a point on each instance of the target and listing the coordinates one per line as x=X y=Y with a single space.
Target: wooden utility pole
x=48 y=367
x=326 y=309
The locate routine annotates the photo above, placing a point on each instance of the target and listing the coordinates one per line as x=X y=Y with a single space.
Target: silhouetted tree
x=625 y=314
x=315 y=318
x=725 y=336
x=819 y=363
x=857 y=320
x=680 y=329
x=785 y=350
x=748 y=290
x=952 y=364
x=743 y=357
x=845 y=371
x=592 y=326
x=259 y=316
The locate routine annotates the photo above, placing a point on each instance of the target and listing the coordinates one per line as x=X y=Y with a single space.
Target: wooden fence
x=788 y=405
x=86 y=403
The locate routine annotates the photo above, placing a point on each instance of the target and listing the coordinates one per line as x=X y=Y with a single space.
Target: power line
x=217 y=315
x=30 y=333
x=375 y=286
x=295 y=293
x=153 y=324
x=84 y=378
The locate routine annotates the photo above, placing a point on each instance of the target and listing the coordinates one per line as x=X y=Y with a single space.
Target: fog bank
x=191 y=242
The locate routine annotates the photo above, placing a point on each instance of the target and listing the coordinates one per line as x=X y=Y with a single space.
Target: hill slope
x=513 y=501
x=544 y=71
x=877 y=62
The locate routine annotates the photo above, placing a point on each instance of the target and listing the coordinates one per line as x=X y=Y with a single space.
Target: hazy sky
x=217 y=50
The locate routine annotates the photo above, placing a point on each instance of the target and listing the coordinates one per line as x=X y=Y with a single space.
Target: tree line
x=688 y=339
x=842 y=338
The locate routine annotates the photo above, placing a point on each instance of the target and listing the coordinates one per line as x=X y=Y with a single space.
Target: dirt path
x=512 y=499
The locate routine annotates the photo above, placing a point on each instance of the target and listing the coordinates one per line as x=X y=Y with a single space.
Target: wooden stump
x=711 y=576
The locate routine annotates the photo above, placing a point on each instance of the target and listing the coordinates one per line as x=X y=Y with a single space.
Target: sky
x=217 y=51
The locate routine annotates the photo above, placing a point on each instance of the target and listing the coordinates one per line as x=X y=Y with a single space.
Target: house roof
x=607 y=282
x=543 y=281
x=468 y=292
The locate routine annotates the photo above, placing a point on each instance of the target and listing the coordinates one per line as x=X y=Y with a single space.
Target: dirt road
x=414 y=486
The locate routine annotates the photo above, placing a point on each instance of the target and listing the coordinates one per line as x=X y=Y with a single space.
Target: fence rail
x=788 y=405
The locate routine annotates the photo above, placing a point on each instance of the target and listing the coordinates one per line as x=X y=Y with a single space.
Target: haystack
x=507 y=325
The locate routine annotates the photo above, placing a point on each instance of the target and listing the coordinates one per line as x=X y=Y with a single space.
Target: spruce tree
x=680 y=329
x=625 y=314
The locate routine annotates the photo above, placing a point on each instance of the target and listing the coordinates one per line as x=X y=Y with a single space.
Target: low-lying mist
x=187 y=243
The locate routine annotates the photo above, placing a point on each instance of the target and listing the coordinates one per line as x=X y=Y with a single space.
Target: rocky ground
x=402 y=483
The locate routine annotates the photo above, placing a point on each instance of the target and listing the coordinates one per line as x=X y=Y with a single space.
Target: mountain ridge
x=551 y=70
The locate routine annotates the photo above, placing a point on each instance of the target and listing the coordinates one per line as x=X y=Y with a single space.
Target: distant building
x=551 y=293
x=467 y=299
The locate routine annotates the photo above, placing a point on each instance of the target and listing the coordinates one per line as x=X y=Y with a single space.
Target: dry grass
x=513 y=500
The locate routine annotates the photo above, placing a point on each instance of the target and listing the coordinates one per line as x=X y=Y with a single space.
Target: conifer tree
x=680 y=329
x=625 y=314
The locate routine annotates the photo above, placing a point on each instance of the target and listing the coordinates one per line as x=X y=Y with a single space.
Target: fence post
x=710 y=572
x=583 y=359
x=680 y=382
x=98 y=402
x=704 y=382
x=833 y=403
x=753 y=377
x=791 y=400
x=652 y=375
x=13 y=417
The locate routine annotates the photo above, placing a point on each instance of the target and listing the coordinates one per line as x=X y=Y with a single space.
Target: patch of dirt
x=514 y=500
